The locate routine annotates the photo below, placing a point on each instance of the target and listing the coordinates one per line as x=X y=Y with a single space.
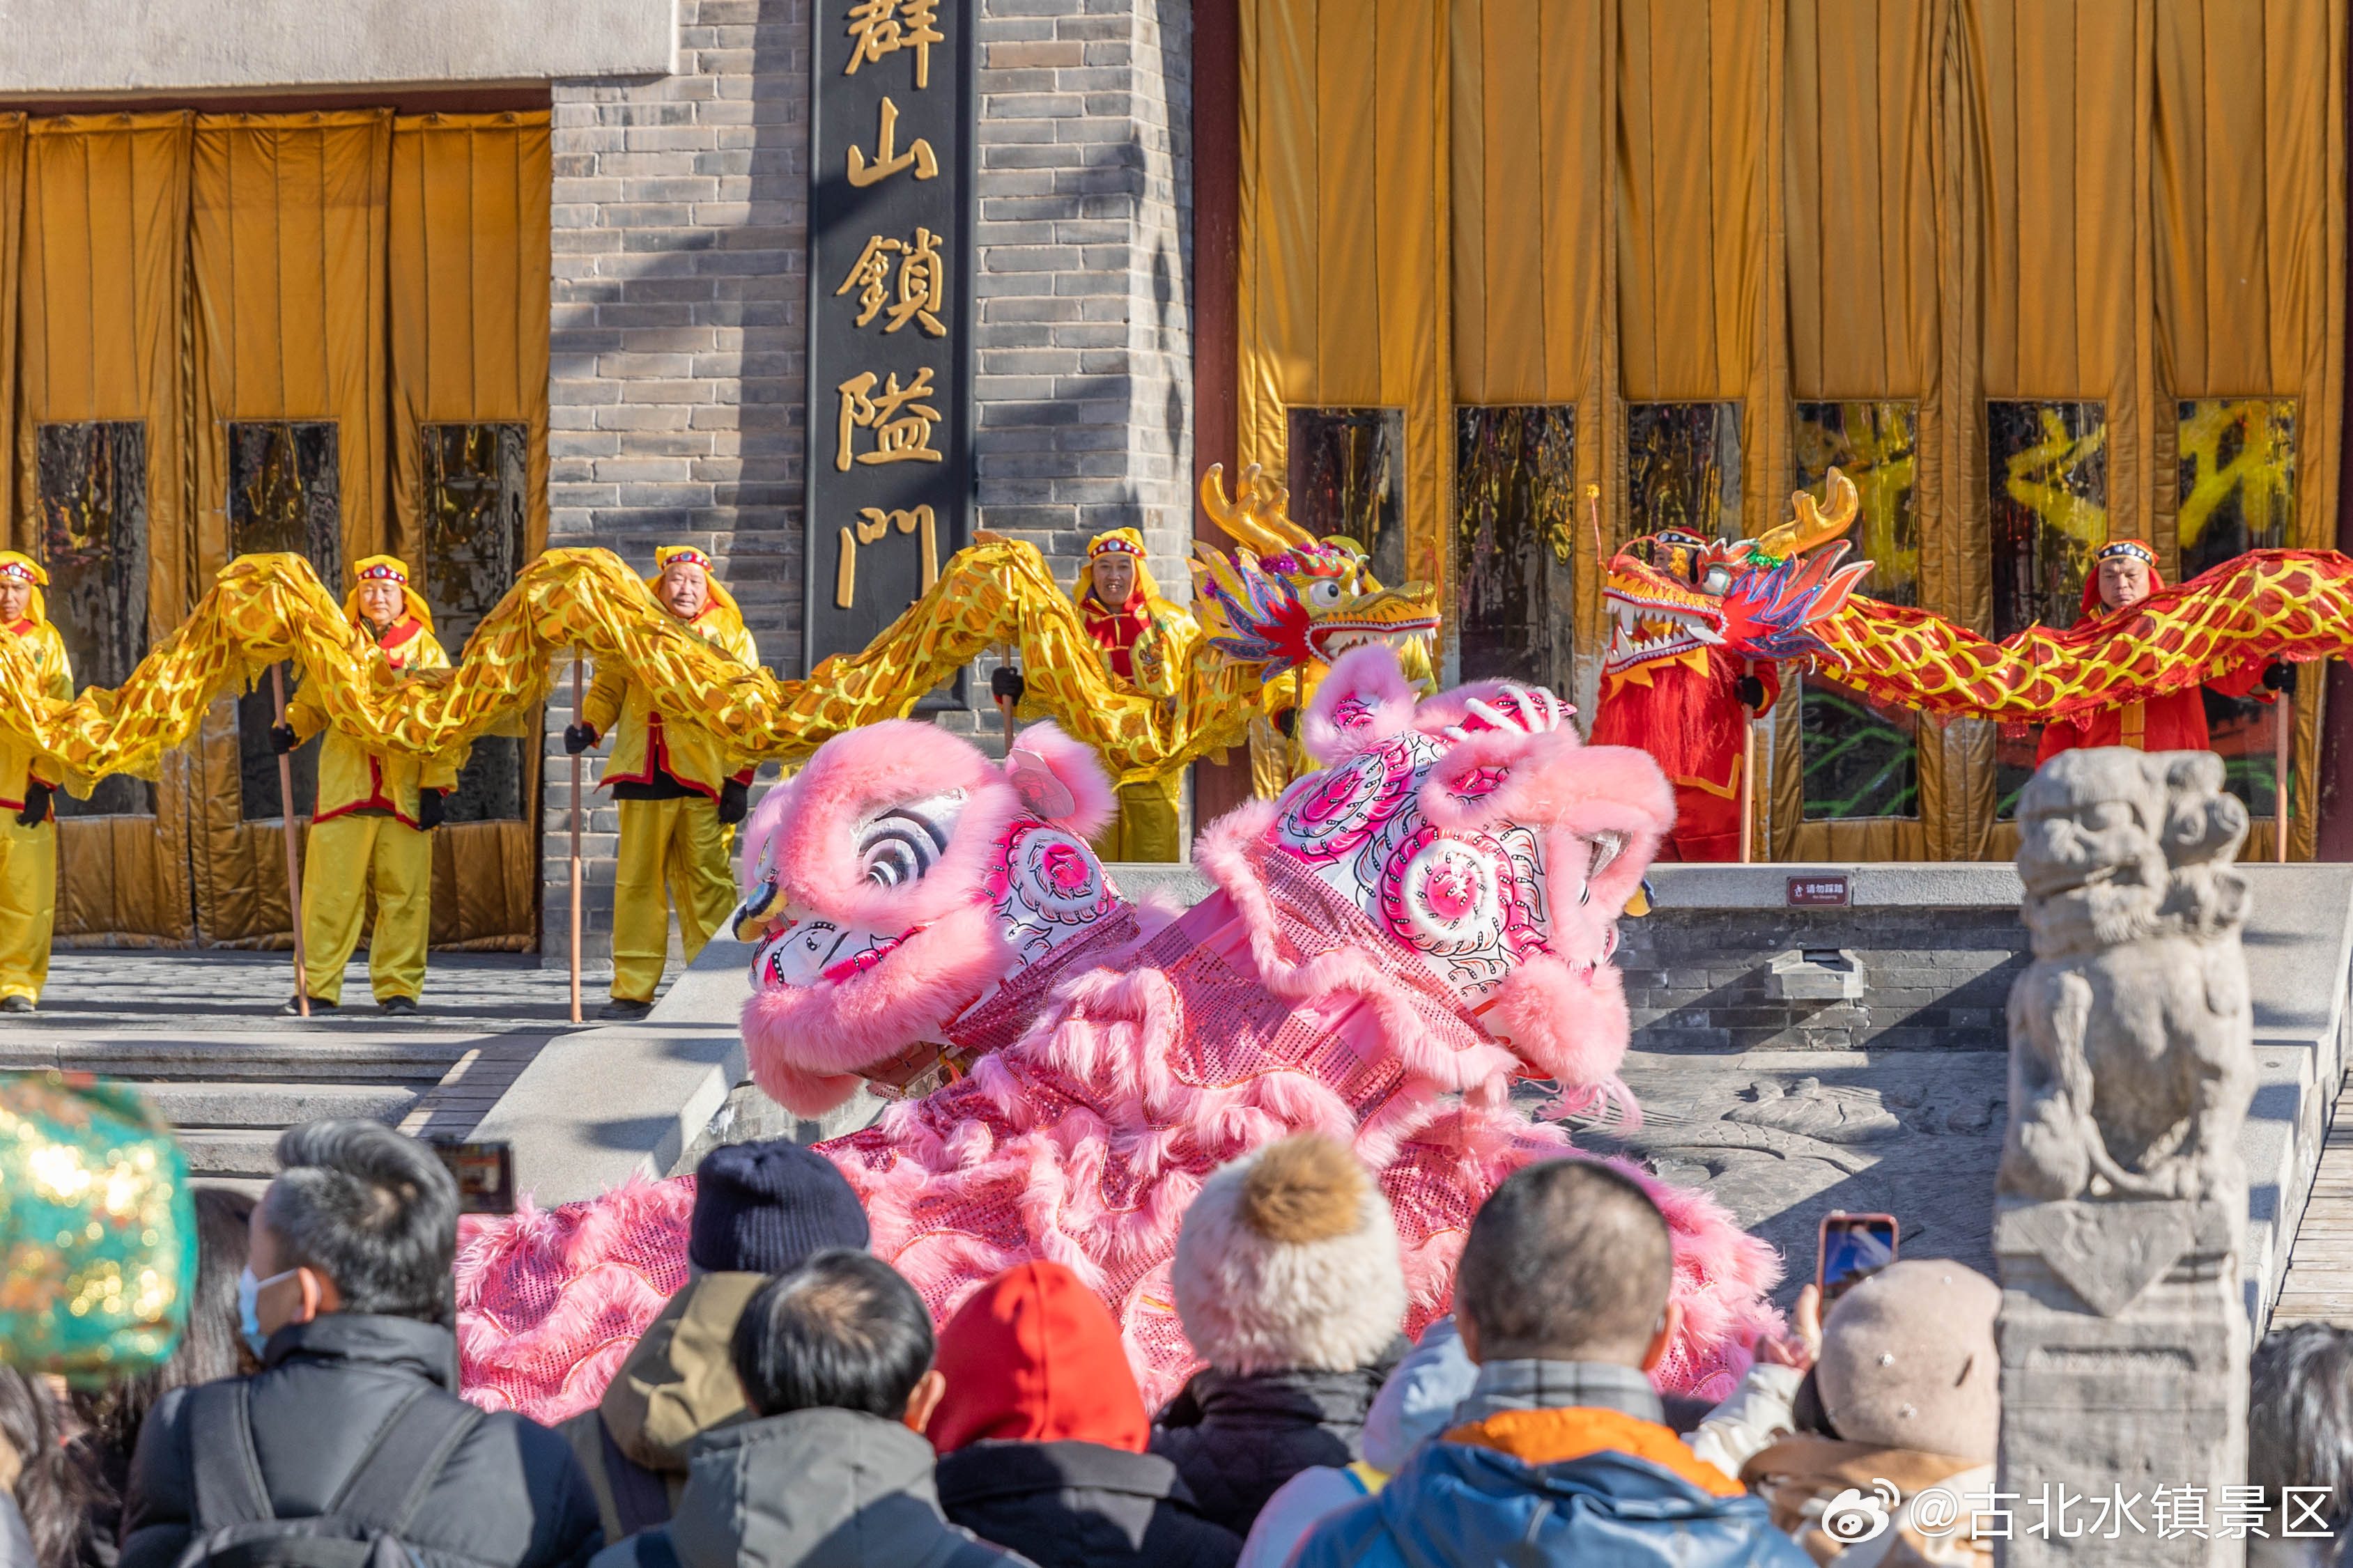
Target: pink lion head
x=1475 y=829
x=904 y=887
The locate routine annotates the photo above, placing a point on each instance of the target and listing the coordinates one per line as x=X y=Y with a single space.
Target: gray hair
x=372 y=1210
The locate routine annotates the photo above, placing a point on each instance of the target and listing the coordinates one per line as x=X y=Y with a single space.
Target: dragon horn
x=1241 y=516
x=1812 y=525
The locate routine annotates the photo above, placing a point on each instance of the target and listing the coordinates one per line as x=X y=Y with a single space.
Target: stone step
x=250 y=1154
x=217 y=1105
x=382 y=1059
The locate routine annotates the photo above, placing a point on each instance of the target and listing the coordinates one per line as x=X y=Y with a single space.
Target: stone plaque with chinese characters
x=890 y=311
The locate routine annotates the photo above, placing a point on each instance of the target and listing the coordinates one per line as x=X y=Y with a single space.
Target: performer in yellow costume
x=680 y=795
x=28 y=829
x=375 y=810
x=1144 y=640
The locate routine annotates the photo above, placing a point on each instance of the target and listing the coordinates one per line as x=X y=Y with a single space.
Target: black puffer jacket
x=1236 y=1437
x=511 y=1495
x=1082 y=1505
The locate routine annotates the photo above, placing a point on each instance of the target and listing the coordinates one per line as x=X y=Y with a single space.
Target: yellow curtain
x=1939 y=201
x=469 y=277
x=2248 y=170
x=1343 y=227
x=287 y=268
x=102 y=297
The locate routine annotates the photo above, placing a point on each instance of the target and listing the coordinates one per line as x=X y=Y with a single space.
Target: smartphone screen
x=1854 y=1247
x=484 y=1173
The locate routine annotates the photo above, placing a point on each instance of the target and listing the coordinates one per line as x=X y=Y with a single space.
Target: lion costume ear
x=1059 y=779
x=1362 y=700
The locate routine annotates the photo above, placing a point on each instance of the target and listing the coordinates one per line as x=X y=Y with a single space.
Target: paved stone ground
x=2319 y=1285
x=201 y=1033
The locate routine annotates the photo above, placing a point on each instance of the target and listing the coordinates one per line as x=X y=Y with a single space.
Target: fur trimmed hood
x=1289 y=1258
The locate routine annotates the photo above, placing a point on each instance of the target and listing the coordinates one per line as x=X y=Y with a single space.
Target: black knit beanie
x=761 y=1208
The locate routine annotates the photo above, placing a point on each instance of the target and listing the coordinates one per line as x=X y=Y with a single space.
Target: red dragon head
x=1671 y=593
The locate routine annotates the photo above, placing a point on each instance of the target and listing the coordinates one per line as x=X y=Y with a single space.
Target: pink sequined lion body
x=1387 y=949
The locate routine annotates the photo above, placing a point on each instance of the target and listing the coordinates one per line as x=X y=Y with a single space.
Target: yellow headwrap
x=1125 y=541
x=15 y=563
x=666 y=554
x=387 y=569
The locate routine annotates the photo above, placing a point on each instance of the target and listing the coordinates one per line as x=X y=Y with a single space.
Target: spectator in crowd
x=1288 y=1282
x=1909 y=1389
x=1414 y=1406
x=2300 y=1433
x=1042 y=1435
x=1562 y=1300
x=211 y=1348
x=759 y=1209
x=346 y=1300
x=53 y=1491
x=832 y=1472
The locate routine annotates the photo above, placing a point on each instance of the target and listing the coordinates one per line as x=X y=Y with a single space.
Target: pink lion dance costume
x=1389 y=946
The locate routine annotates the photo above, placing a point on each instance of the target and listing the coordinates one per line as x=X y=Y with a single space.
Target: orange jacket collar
x=1551 y=1437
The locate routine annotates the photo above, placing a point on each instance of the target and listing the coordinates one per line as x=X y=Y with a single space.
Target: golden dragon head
x=1285 y=598
x=1669 y=594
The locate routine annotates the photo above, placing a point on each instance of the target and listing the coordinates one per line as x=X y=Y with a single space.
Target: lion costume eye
x=1323 y=595
x=900 y=844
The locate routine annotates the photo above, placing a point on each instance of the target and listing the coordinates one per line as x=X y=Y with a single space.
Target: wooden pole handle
x=293 y=854
x=2283 y=753
x=575 y=843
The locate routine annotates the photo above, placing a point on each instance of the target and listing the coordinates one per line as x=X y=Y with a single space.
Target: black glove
x=735 y=802
x=578 y=738
x=2278 y=676
x=36 y=805
x=1752 y=692
x=1288 y=722
x=281 y=739
x=1006 y=685
x=429 y=812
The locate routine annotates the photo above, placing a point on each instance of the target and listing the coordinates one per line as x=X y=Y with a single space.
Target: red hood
x=2094 y=607
x=1034 y=1357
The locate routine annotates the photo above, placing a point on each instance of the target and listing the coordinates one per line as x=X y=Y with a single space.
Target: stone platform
x=1789 y=1060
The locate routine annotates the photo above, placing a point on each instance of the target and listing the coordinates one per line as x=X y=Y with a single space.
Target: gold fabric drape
x=1342 y=291
x=286 y=273
x=469 y=281
x=1933 y=201
x=102 y=297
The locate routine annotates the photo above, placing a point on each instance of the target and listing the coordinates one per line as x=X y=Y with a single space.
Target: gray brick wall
x=1698 y=981
x=677 y=385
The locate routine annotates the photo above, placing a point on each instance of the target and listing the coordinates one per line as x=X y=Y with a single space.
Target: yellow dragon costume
x=1143 y=642
x=38 y=666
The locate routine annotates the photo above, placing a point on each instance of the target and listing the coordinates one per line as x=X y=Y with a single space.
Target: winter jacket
x=677 y=1383
x=815 y=1489
x=1041 y=1433
x=1236 y=1437
x=510 y=1495
x=1585 y=1487
x=1082 y=1505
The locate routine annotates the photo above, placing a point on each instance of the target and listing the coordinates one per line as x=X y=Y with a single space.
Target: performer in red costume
x=1691 y=713
x=2124 y=572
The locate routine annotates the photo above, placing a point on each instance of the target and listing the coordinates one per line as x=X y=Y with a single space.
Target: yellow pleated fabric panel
x=21 y=531
x=1863 y=252
x=102 y=296
x=287 y=268
x=2248 y=174
x=1344 y=233
x=468 y=278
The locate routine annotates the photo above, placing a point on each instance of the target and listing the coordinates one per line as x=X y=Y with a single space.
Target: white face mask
x=248 y=1310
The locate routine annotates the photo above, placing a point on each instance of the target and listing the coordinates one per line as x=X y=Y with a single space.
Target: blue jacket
x=1469 y=1505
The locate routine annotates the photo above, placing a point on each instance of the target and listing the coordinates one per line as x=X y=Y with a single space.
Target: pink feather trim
x=1073 y=765
x=1362 y=699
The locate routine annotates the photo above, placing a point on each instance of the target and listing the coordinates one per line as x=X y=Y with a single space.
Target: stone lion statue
x=2131 y=1057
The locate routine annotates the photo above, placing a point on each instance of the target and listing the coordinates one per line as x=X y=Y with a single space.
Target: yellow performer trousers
x=335 y=868
x=29 y=904
x=673 y=844
x=1146 y=827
